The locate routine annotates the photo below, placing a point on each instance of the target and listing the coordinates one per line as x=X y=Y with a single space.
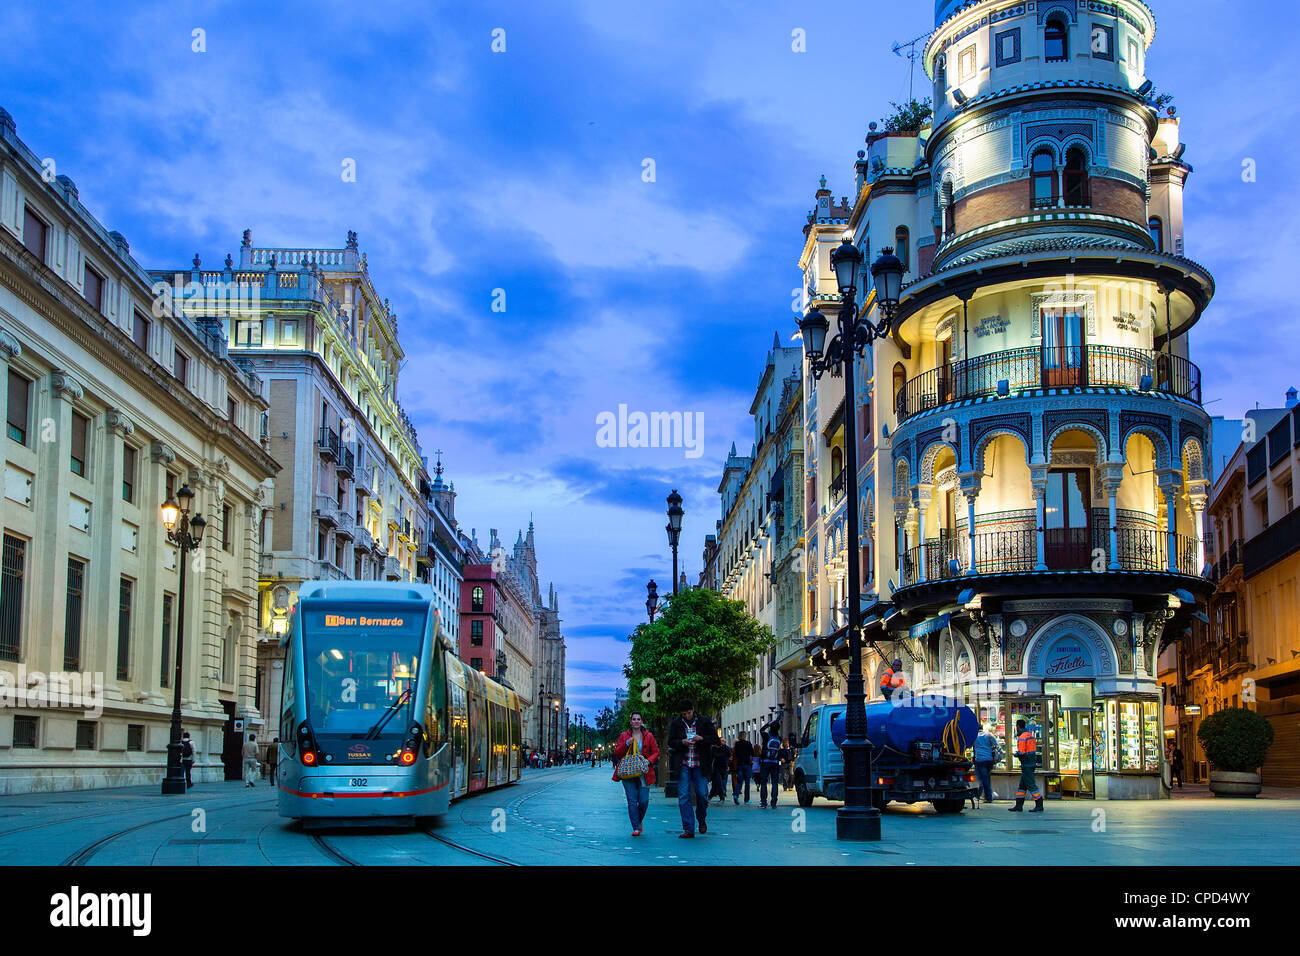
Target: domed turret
x=943 y=9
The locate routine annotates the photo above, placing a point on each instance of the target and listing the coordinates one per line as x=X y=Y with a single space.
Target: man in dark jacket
x=743 y=753
x=690 y=737
x=721 y=764
x=770 y=761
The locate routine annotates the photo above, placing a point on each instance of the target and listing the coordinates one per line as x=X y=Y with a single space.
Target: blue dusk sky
x=522 y=171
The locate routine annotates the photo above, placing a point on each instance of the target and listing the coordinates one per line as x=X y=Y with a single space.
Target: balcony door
x=945 y=384
x=1068 y=536
x=1062 y=347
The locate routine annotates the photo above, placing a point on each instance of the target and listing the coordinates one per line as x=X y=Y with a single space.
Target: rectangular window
x=476 y=633
x=232 y=411
x=227 y=529
x=77 y=454
x=93 y=287
x=1134 y=58
x=181 y=367
x=86 y=734
x=124 y=629
x=170 y=486
x=966 y=63
x=1103 y=42
x=476 y=663
x=12 y=565
x=135 y=737
x=320 y=545
x=34 y=230
x=72 y=614
x=129 y=456
x=1007 y=47
x=20 y=391
x=165 y=677
x=25 y=730
x=288 y=331
x=248 y=332
x=140 y=332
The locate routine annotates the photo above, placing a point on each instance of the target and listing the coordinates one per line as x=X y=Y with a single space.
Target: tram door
x=459 y=741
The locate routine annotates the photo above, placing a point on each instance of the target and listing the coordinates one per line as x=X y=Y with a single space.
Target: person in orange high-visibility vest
x=1027 y=754
x=892 y=680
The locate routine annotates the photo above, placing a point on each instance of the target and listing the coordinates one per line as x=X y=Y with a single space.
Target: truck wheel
x=948 y=806
x=801 y=791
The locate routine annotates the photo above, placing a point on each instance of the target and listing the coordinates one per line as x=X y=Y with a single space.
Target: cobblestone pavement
x=577 y=816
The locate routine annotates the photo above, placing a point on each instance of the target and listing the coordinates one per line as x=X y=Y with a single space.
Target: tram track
x=500 y=860
x=86 y=853
x=338 y=856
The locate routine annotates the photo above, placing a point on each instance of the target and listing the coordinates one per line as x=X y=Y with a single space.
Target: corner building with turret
x=1033 y=441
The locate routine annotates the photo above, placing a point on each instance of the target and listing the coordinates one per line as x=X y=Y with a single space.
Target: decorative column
x=1038 y=478
x=924 y=493
x=1112 y=477
x=1196 y=497
x=1169 y=482
x=970 y=489
x=911 y=535
x=900 y=516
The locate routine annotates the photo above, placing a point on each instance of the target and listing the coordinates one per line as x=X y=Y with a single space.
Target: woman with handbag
x=635 y=754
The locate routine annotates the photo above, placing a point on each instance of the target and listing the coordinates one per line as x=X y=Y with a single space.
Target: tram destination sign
x=342 y=620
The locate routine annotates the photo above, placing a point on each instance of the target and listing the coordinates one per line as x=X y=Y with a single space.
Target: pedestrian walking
x=187 y=758
x=1176 y=767
x=252 y=765
x=988 y=751
x=635 y=753
x=272 y=758
x=721 y=759
x=743 y=754
x=771 y=762
x=789 y=754
x=1027 y=754
x=690 y=736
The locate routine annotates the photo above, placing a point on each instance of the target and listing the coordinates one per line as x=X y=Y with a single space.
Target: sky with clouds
x=523 y=171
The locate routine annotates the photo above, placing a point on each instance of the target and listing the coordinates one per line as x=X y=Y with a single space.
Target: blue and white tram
x=380 y=722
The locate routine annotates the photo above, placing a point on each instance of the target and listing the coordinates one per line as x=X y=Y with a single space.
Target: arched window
x=900 y=380
x=1043 y=175
x=949 y=212
x=477 y=600
x=1076 y=177
x=837 y=463
x=901 y=248
x=1156 y=227
x=1056 y=43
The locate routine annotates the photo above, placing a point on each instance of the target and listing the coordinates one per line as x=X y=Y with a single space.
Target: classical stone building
x=1032 y=482
x=356 y=504
x=112 y=405
x=752 y=490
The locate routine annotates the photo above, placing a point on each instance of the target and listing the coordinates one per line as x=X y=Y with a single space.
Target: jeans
x=743 y=775
x=692 y=781
x=719 y=788
x=189 y=771
x=984 y=770
x=251 y=771
x=638 y=800
x=771 y=775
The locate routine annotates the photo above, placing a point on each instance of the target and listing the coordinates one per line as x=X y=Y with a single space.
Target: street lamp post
x=674 y=529
x=555 y=724
x=542 y=702
x=857 y=819
x=651 y=599
x=566 y=730
x=185 y=532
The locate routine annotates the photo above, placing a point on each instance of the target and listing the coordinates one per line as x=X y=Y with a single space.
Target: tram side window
x=436 y=715
x=288 y=738
x=477 y=737
x=514 y=728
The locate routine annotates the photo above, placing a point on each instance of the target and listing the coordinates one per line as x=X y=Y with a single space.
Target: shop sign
x=1067 y=658
x=963 y=664
x=1191 y=710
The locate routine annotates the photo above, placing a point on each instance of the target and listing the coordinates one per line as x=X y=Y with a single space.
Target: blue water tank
x=900 y=724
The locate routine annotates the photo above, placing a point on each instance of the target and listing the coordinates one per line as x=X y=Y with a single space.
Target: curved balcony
x=1068 y=366
x=1069 y=549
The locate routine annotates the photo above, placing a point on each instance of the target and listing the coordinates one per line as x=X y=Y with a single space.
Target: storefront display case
x=1132 y=735
x=1039 y=715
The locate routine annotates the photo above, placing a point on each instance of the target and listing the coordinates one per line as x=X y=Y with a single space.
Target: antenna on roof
x=911 y=56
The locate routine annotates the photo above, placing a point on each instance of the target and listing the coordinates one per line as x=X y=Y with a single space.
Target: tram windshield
x=361 y=667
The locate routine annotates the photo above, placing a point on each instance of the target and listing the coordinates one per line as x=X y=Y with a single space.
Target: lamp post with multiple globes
x=186 y=533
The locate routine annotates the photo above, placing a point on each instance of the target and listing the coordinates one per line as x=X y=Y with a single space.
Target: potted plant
x=1235 y=742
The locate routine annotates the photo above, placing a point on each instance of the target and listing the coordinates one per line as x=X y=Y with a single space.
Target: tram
x=380 y=721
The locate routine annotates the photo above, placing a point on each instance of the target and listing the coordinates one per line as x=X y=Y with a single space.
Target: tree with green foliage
x=703 y=647
x=908 y=117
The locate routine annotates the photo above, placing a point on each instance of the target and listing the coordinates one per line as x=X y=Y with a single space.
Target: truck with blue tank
x=918 y=746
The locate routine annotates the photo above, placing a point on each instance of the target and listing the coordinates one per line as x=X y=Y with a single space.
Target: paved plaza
x=577 y=816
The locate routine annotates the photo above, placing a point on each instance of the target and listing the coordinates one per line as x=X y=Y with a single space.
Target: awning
x=1274 y=671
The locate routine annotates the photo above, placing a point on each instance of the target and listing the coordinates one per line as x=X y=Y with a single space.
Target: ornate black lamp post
x=651 y=599
x=185 y=532
x=674 y=529
x=542 y=702
x=555 y=724
x=857 y=819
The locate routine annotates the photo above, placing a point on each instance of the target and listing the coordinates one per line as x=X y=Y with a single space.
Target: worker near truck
x=892 y=680
x=987 y=753
x=1027 y=754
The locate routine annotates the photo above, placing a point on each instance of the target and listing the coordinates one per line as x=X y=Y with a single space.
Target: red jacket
x=649 y=750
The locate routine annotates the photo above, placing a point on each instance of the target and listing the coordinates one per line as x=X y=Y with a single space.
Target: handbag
x=633 y=765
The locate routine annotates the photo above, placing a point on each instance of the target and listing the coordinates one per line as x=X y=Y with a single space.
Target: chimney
x=1291 y=397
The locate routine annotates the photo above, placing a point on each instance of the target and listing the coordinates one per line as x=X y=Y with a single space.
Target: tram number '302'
x=358 y=781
